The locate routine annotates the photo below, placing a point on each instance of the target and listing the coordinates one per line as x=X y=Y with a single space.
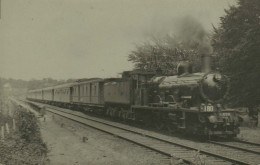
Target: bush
x=28 y=126
x=25 y=145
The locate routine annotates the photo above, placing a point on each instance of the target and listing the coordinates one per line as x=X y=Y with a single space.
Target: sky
x=64 y=39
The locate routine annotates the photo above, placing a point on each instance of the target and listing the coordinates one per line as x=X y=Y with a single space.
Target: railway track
x=164 y=146
x=243 y=146
x=247 y=142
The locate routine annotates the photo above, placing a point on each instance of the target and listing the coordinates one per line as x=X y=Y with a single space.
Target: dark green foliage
x=236 y=43
x=27 y=125
x=150 y=56
x=16 y=151
x=25 y=145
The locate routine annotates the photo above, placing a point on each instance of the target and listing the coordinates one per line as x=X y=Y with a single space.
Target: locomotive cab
x=139 y=87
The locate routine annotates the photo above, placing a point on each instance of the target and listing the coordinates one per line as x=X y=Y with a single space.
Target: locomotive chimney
x=206 y=63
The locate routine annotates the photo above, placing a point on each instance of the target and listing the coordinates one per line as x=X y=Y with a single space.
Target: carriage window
x=86 y=89
x=95 y=90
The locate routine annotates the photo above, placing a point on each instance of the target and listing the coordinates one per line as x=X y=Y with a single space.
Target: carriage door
x=71 y=93
x=78 y=93
x=90 y=92
x=52 y=94
x=101 y=92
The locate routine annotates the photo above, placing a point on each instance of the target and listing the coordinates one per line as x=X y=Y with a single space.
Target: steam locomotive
x=187 y=102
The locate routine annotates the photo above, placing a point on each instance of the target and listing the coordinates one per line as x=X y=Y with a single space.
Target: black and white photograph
x=129 y=82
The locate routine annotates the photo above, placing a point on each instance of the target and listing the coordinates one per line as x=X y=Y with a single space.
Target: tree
x=236 y=44
x=188 y=42
x=159 y=55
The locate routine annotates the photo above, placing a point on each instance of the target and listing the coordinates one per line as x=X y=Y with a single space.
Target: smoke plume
x=192 y=34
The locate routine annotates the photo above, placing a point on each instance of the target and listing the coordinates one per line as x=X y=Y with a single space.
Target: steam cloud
x=186 y=30
x=192 y=34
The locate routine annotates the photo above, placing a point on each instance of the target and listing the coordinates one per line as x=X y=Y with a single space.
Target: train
x=188 y=102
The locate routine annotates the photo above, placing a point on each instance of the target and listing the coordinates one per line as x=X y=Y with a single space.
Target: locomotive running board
x=165 y=108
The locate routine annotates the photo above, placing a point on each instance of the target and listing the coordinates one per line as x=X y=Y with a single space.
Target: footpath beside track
x=158 y=143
